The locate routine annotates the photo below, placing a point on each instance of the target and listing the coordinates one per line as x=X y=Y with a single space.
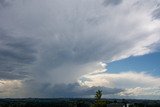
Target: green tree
x=98 y=95
x=99 y=102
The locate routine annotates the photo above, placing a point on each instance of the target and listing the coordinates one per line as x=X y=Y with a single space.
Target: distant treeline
x=45 y=103
x=76 y=103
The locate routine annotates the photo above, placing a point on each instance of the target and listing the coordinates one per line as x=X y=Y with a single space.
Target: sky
x=71 y=48
x=148 y=63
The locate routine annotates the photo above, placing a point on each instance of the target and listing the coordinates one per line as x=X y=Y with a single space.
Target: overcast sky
x=71 y=48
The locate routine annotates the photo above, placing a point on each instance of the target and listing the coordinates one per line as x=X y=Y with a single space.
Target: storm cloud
x=45 y=43
x=15 y=55
x=71 y=90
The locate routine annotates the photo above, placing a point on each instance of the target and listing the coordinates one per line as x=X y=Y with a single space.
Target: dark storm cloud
x=68 y=42
x=74 y=35
x=15 y=54
x=112 y=2
x=4 y=3
x=73 y=90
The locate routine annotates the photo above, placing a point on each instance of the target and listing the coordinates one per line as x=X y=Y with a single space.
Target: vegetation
x=98 y=95
x=74 y=103
x=97 y=102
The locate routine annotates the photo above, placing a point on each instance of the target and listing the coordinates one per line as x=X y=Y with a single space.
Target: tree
x=99 y=102
x=98 y=95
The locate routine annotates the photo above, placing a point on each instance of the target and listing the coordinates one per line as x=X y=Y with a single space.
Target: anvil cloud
x=54 y=42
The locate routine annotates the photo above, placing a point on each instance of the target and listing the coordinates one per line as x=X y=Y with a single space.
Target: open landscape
x=79 y=53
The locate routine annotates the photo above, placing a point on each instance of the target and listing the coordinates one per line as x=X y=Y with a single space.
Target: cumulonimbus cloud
x=58 y=41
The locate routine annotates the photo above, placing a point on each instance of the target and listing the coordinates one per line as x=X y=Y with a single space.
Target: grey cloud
x=105 y=90
x=72 y=90
x=15 y=55
x=156 y=13
x=13 y=75
x=72 y=37
x=4 y=3
x=112 y=2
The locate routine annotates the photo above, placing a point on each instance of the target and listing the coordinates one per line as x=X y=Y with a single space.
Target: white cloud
x=10 y=88
x=135 y=84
